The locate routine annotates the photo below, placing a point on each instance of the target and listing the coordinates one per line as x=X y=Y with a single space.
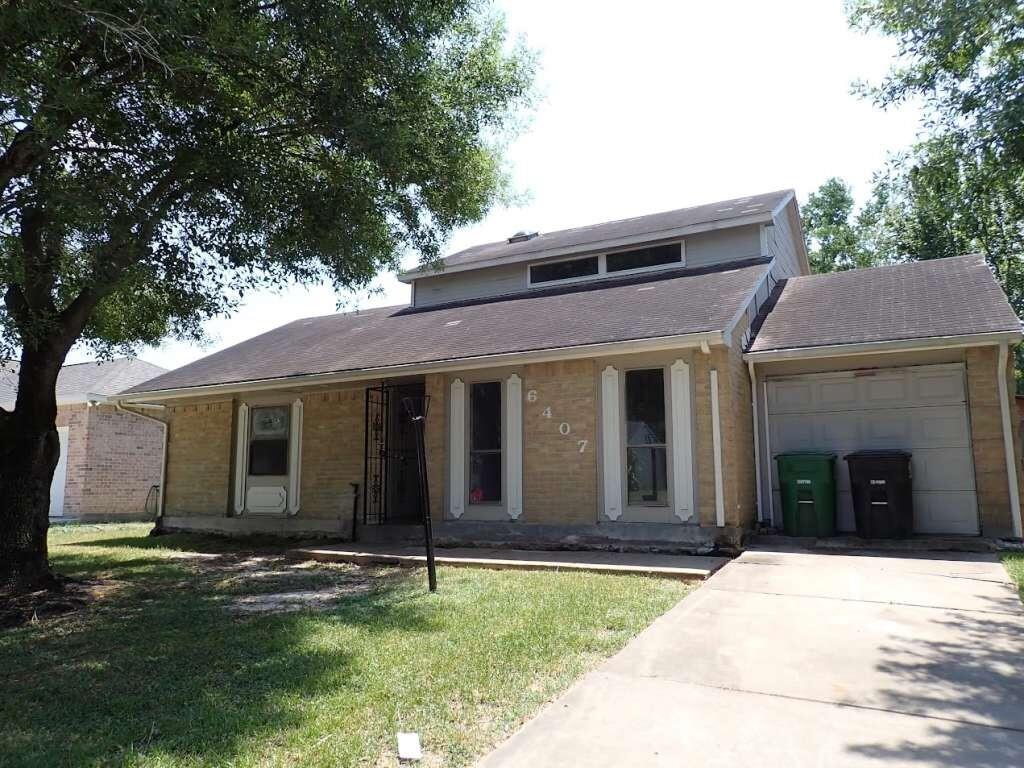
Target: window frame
x=668 y=445
x=251 y=438
x=602 y=265
x=599 y=258
x=500 y=450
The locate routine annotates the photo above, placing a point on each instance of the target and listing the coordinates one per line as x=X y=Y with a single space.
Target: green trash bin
x=808 y=485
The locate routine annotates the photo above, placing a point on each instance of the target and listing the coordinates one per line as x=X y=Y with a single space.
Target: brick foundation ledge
x=288 y=527
x=617 y=537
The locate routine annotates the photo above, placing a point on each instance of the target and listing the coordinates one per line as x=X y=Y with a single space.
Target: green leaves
x=837 y=238
x=185 y=150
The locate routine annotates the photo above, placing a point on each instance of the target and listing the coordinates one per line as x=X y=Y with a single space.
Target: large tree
x=158 y=158
x=838 y=238
x=962 y=188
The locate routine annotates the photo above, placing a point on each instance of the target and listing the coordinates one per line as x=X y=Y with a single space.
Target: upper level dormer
x=722 y=233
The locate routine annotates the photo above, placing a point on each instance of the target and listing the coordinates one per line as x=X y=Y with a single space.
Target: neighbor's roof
x=752 y=209
x=678 y=302
x=916 y=300
x=78 y=381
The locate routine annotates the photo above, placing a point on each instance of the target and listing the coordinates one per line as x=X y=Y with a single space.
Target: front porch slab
x=687 y=567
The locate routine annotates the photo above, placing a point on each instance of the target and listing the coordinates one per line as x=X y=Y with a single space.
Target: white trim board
x=610 y=443
x=880 y=347
x=457 y=449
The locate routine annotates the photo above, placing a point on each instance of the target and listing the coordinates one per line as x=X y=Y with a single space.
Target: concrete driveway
x=799 y=659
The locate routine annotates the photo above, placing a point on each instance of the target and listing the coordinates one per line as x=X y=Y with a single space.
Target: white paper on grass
x=409 y=746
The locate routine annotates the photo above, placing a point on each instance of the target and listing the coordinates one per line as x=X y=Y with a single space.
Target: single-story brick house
x=110 y=460
x=620 y=384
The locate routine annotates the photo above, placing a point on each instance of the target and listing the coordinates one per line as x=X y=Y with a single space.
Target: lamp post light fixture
x=416 y=408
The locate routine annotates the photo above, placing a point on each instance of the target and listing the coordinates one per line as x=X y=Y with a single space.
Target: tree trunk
x=29 y=450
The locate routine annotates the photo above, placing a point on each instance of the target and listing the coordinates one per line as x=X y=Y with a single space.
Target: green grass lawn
x=187 y=659
x=1014 y=563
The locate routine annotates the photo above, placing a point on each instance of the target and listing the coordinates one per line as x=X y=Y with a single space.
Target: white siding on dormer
x=472 y=284
x=703 y=249
x=783 y=247
x=723 y=245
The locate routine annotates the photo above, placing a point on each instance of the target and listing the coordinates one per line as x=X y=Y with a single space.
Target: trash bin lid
x=880 y=453
x=806 y=455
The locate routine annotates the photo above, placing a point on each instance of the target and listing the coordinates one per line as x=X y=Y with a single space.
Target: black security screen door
x=391 y=481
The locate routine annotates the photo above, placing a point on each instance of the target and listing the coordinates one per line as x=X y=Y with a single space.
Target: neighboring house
x=110 y=460
x=603 y=386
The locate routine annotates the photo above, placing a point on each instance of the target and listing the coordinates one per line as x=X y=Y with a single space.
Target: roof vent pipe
x=522 y=236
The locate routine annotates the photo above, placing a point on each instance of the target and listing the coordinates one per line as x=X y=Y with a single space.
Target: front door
x=392 y=481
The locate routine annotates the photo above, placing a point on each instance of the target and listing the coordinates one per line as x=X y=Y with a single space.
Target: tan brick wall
x=738 y=436
x=199 y=458
x=436 y=442
x=703 y=450
x=332 y=451
x=76 y=419
x=987 y=439
x=560 y=482
x=121 y=463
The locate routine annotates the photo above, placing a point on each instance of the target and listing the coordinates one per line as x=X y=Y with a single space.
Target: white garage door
x=921 y=409
x=60 y=476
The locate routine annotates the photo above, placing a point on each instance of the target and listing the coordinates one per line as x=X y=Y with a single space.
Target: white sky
x=647 y=106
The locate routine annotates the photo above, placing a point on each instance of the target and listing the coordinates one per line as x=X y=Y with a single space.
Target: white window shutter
x=457 y=447
x=611 y=443
x=514 y=445
x=241 y=457
x=295 y=458
x=716 y=447
x=682 y=441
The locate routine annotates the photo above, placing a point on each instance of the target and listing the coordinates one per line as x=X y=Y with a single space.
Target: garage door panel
x=920 y=409
x=939 y=386
x=791 y=395
x=941 y=469
x=944 y=426
x=886 y=429
x=839 y=433
x=837 y=394
x=946 y=512
x=885 y=390
x=795 y=431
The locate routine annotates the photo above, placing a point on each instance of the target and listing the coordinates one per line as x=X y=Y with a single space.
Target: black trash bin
x=881 y=485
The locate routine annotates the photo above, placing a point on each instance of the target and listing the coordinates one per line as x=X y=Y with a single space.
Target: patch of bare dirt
x=64 y=597
x=297 y=600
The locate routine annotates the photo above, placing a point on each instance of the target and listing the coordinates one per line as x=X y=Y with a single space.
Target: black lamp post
x=417 y=408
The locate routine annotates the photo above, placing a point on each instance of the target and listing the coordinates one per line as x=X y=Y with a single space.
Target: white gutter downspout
x=757 y=441
x=163 y=449
x=1011 y=461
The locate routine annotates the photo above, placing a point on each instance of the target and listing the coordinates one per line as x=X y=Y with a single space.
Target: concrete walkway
x=800 y=659
x=695 y=567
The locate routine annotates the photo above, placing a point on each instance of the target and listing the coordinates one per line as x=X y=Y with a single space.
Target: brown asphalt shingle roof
x=596 y=234
x=78 y=380
x=921 y=299
x=622 y=309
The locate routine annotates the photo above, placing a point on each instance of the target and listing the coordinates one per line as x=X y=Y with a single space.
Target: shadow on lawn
x=968 y=678
x=164 y=667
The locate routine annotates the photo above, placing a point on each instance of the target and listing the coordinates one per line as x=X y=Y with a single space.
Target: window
x=607 y=264
x=485 y=443
x=640 y=258
x=563 y=270
x=268 y=441
x=646 y=445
